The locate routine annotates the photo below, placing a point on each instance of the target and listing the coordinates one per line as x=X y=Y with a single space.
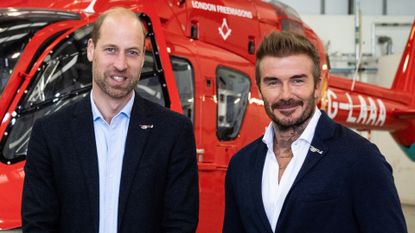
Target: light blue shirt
x=110 y=142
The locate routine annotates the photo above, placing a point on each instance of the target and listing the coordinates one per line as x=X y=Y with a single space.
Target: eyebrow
x=270 y=78
x=267 y=78
x=298 y=76
x=116 y=46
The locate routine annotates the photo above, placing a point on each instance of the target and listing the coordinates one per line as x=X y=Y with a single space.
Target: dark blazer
x=159 y=181
x=347 y=188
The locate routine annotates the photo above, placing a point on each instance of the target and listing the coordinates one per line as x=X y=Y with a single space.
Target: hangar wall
x=344 y=7
x=381 y=69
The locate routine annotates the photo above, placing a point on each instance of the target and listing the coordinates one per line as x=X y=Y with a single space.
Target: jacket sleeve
x=40 y=209
x=232 y=221
x=376 y=203
x=181 y=201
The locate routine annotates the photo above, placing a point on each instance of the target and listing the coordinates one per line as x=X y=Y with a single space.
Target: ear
x=90 y=50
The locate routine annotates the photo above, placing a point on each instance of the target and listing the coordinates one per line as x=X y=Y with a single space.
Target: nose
x=285 y=92
x=120 y=62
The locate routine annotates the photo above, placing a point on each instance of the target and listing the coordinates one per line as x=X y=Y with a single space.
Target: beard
x=116 y=92
x=290 y=123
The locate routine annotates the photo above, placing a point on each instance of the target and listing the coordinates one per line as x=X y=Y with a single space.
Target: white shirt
x=110 y=142
x=274 y=193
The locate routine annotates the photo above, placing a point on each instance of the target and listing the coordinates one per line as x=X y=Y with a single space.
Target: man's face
x=117 y=57
x=288 y=89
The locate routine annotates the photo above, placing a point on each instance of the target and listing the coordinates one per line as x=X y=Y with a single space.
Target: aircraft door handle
x=199 y=154
x=200 y=151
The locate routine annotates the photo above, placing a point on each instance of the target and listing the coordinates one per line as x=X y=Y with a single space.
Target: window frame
x=192 y=82
x=235 y=134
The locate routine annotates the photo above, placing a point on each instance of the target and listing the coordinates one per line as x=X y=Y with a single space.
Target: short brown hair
x=100 y=20
x=283 y=44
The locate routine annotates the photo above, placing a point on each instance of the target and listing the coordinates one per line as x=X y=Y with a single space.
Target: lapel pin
x=314 y=150
x=146 y=126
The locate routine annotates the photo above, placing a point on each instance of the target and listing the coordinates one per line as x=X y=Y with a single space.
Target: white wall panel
x=371 y=7
x=401 y=7
x=368 y=7
x=339 y=30
x=336 y=7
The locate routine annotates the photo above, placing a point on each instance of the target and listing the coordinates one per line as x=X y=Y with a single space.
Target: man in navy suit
x=306 y=174
x=113 y=162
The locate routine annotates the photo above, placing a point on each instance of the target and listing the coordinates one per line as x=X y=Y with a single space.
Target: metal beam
x=351 y=7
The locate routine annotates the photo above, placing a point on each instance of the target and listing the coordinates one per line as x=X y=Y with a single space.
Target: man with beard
x=306 y=174
x=112 y=162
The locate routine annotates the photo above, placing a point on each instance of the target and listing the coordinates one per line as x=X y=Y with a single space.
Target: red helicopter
x=200 y=59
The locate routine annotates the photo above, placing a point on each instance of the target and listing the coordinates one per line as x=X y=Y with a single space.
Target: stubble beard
x=289 y=124
x=115 y=92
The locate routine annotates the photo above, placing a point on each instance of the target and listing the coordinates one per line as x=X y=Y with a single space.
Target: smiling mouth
x=119 y=78
x=286 y=107
x=287 y=110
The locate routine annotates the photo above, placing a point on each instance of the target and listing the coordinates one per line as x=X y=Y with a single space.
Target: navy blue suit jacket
x=348 y=188
x=159 y=181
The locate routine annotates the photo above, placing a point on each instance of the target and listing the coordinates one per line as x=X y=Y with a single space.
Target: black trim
x=36 y=15
x=157 y=61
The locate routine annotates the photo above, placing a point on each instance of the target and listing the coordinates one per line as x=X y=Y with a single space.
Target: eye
x=271 y=82
x=110 y=50
x=134 y=53
x=298 y=81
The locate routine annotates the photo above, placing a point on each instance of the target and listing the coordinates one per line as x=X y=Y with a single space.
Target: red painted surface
x=365 y=107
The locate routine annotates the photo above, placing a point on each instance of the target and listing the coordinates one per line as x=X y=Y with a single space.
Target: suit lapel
x=139 y=129
x=256 y=183
x=84 y=142
x=318 y=148
x=316 y=152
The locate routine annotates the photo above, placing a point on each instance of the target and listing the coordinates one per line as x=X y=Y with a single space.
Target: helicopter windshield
x=17 y=27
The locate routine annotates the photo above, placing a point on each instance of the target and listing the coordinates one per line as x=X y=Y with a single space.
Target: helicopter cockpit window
x=17 y=27
x=13 y=38
x=65 y=76
x=64 y=72
x=232 y=96
x=149 y=86
x=183 y=73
